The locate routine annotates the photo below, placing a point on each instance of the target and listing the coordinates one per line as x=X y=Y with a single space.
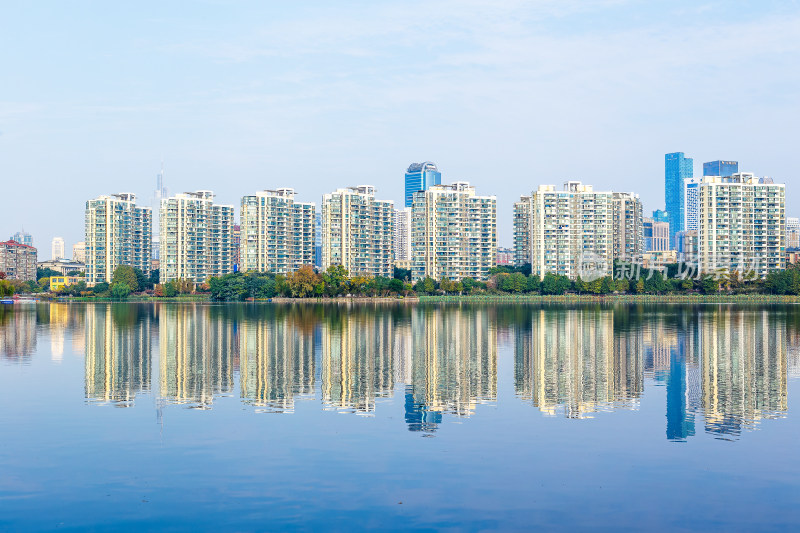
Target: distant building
x=792 y=233
x=23 y=238
x=505 y=256
x=237 y=247
x=720 y=168
x=420 y=177
x=688 y=244
x=358 y=231
x=691 y=204
x=656 y=235
x=578 y=226
x=18 y=261
x=117 y=232
x=318 y=240
x=402 y=235
x=522 y=231
x=657 y=260
x=63 y=266
x=79 y=252
x=677 y=168
x=742 y=224
x=196 y=237
x=57 y=248
x=659 y=215
x=161 y=192
x=453 y=233
x=277 y=232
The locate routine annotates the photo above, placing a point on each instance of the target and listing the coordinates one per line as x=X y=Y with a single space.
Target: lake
x=191 y=416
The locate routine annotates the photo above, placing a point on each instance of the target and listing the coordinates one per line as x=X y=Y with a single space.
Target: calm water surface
x=469 y=417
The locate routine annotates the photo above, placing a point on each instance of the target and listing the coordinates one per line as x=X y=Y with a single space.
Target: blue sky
x=241 y=96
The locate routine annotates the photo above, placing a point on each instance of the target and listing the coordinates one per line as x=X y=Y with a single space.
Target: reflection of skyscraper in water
x=118 y=352
x=276 y=363
x=356 y=359
x=454 y=364
x=743 y=369
x=197 y=354
x=17 y=332
x=680 y=418
x=569 y=362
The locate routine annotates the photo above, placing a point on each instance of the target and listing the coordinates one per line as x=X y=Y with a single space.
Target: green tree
x=120 y=290
x=100 y=288
x=303 y=283
x=6 y=288
x=46 y=273
x=709 y=284
x=403 y=274
x=127 y=275
x=336 y=280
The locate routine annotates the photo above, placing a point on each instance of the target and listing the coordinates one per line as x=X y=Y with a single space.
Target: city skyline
x=235 y=99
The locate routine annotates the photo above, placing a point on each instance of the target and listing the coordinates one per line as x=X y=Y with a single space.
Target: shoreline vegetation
x=505 y=284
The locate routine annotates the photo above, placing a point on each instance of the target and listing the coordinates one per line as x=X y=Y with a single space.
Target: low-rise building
x=18 y=261
x=59 y=282
x=63 y=266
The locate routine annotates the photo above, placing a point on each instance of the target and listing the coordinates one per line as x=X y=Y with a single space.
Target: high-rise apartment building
x=79 y=252
x=318 y=240
x=522 y=231
x=402 y=234
x=18 y=261
x=453 y=233
x=691 y=204
x=742 y=224
x=117 y=232
x=277 y=232
x=656 y=235
x=357 y=231
x=792 y=232
x=720 y=168
x=419 y=177
x=577 y=226
x=57 y=248
x=23 y=238
x=161 y=192
x=196 y=237
x=677 y=168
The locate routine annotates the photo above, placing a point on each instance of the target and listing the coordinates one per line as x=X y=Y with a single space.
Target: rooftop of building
x=12 y=242
x=426 y=166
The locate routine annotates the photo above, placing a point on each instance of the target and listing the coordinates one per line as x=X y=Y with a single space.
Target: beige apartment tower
x=117 y=232
x=577 y=226
x=357 y=231
x=196 y=237
x=742 y=225
x=453 y=233
x=277 y=233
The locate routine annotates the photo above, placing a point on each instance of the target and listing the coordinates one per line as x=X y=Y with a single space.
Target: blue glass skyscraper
x=420 y=177
x=659 y=215
x=676 y=169
x=720 y=168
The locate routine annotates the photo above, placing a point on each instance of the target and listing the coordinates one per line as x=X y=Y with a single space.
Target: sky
x=508 y=95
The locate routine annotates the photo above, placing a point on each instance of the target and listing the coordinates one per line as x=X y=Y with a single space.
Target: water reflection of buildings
x=453 y=363
x=357 y=359
x=276 y=363
x=197 y=354
x=18 y=332
x=744 y=369
x=118 y=352
x=569 y=362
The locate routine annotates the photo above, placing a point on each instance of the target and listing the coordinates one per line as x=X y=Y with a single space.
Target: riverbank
x=493 y=298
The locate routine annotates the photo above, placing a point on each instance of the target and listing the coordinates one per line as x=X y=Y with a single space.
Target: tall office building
x=522 y=231
x=79 y=252
x=318 y=240
x=159 y=194
x=453 y=233
x=691 y=204
x=277 y=232
x=792 y=232
x=659 y=215
x=656 y=235
x=23 y=238
x=57 y=248
x=677 y=168
x=567 y=228
x=720 y=168
x=357 y=231
x=18 y=261
x=118 y=232
x=402 y=234
x=196 y=237
x=742 y=224
x=419 y=177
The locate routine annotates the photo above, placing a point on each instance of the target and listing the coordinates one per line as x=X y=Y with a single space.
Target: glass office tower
x=720 y=168
x=420 y=177
x=676 y=169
